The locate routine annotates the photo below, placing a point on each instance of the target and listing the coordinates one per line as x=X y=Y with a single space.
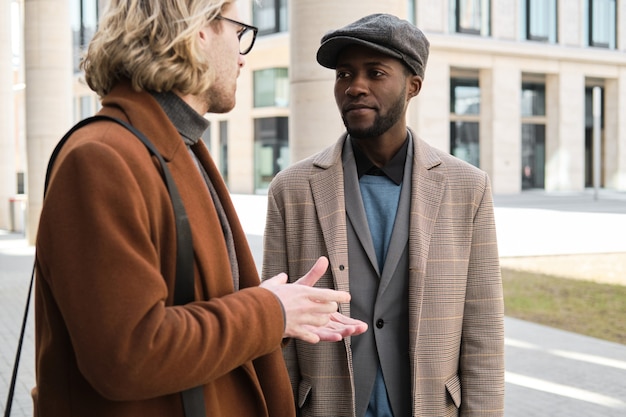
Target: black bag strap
x=193 y=398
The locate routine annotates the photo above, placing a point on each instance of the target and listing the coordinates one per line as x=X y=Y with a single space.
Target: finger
x=275 y=280
x=354 y=326
x=327 y=295
x=327 y=335
x=308 y=335
x=314 y=274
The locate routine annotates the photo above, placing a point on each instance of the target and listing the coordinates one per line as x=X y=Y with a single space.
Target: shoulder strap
x=193 y=401
x=184 y=289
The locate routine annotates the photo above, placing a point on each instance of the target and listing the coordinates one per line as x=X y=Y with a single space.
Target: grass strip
x=584 y=307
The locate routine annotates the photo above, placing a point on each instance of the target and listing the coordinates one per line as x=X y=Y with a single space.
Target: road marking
x=583 y=357
x=563 y=390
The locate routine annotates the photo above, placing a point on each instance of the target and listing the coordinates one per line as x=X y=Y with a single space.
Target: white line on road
x=583 y=357
x=563 y=390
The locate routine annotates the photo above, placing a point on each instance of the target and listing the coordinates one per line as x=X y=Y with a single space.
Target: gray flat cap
x=384 y=33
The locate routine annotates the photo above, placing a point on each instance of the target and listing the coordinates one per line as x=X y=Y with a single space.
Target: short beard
x=382 y=123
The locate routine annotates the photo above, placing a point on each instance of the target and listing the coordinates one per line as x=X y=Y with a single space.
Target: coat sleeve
x=105 y=255
x=482 y=349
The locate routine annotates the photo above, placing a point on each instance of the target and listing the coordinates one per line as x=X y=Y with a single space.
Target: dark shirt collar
x=394 y=169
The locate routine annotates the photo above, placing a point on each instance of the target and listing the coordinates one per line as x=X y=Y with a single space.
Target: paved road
x=549 y=372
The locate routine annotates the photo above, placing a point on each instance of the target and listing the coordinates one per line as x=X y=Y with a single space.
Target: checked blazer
x=456 y=313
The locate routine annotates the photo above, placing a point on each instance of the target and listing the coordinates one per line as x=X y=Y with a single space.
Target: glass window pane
x=465 y=96
x=533 y=155
x=283 y=17
x=533 y=99
x=538 y=19
x=271 y=87
x=602 y=22
x=410 y=11
x=85 y=106
x=271 y=149
x=264 y=17
x=464 y=141
x=270 y=16
x=473 y=16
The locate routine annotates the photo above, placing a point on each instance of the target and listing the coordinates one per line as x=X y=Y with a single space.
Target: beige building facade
x=509 y=87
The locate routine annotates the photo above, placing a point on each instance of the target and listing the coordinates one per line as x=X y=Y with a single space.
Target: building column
x=8 y=149
x=48 y=76
x=565 y=130
x=314 y=121
x=429 y=112
x=500 y=126
x=614 y=156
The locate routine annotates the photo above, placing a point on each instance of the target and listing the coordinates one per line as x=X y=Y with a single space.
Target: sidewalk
x=549 y=372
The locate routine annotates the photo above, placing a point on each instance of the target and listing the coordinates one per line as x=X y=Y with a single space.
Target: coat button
x=380 y=323
x=341 y=267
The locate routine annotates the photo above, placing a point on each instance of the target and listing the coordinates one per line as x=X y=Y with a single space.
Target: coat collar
x=142 y=111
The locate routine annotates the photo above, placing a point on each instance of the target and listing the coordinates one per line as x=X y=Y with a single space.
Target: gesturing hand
x=311 y=313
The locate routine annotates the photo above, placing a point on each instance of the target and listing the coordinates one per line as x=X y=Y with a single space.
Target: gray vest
x=379 y=298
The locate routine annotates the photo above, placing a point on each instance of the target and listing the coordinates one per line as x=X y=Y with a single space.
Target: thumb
x=314 y=274
x=275 y=280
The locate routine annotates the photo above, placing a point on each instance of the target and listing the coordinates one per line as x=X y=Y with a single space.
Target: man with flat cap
x=409 y=232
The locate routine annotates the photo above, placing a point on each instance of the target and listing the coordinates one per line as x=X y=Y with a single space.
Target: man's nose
x=357 y=87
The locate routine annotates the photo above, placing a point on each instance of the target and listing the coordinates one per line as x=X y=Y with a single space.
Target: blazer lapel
x=427 y=189
x=328 y=196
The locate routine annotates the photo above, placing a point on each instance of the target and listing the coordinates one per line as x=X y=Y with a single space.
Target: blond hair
x=151 y=43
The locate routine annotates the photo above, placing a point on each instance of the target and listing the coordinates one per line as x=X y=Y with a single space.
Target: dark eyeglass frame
x=244 y=28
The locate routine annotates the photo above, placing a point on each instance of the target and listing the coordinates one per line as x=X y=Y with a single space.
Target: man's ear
x=415 y=85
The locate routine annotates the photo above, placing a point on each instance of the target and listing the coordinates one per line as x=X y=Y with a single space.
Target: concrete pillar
x=570 y=23
x=314 y=120
x=565 y=136
x=8 y=149
x=504 y=19
x=621 y=18
x=429 y=112
x=500 y=121
x=48 y=75
x=614 y=156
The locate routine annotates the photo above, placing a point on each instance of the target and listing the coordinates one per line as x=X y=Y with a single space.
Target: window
x=271 y=149
x=602 y=22
x=539 y=20
x=533 y=107
x=589 y=148
x=224 y=149
x=464 y=119
x=471 y=16
x=84 y=24
x=410 y=11
x=271 y=88
x=86 y=109
x=270 y=16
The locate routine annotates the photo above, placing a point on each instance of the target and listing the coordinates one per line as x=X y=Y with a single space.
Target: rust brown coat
x=108 y=341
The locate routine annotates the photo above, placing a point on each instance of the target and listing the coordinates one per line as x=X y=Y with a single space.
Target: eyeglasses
x=246 y=35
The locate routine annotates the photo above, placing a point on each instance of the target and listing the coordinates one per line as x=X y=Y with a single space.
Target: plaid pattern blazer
x=456 y=339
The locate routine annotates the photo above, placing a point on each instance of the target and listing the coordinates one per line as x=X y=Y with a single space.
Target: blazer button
x=341 y=267
x=380 y=323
